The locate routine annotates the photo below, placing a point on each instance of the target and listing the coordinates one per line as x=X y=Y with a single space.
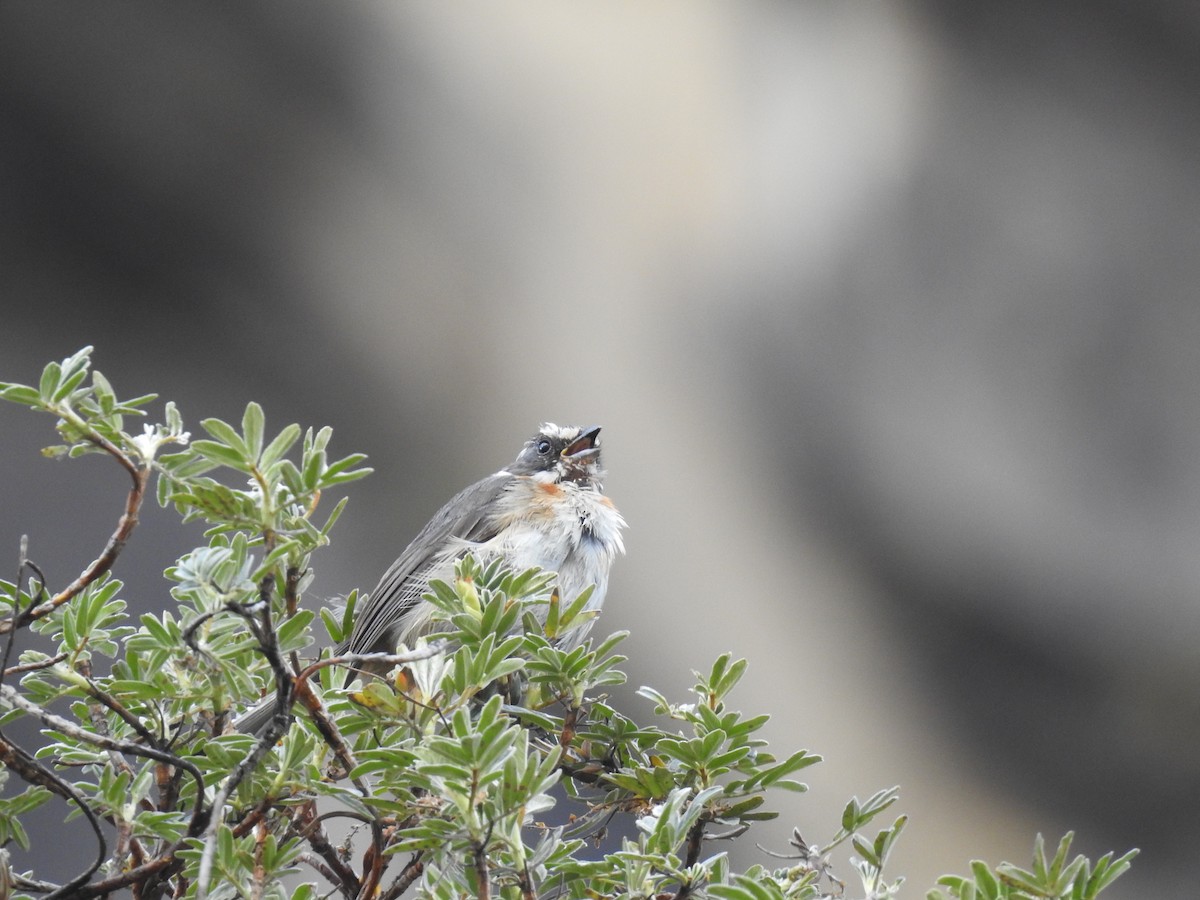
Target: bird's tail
x=256 y=718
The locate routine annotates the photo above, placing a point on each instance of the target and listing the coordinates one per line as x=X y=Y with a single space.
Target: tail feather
x=256 y=718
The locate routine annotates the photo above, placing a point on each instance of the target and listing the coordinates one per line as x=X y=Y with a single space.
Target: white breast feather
x=579 y=540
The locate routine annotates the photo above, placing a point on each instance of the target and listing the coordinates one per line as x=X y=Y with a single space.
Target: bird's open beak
x=584 y=445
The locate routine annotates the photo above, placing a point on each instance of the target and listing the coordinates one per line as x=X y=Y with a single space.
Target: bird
x=546 y=509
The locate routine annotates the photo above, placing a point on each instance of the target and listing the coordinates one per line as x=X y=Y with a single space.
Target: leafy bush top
x=481 y=766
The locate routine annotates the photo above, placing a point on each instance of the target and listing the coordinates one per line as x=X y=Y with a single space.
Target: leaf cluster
x=1046 y=879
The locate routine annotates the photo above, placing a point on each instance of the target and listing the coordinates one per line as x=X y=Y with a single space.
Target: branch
x=587 y=771
x=264 y=633
x=320 y=715
x=160 y=865
x=694 y=839
x=570 y=721
x=9 y=695
x=112 y=704
x=483 y=889
x=310 y=830
x=410 y=873
x=34 y=772
x=34 y=666
x=112 y=550
x=387 y=659
x=525 y=883
x=373 y=860
x=18 y=760
x=260 y=873
x=24 y=563
x=291 y=590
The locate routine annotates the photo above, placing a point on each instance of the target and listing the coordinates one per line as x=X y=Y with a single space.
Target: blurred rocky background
x=888 y=311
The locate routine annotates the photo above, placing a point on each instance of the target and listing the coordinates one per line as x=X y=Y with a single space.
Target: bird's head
x=561 y=453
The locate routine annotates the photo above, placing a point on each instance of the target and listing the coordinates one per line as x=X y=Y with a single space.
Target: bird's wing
x=400 y=589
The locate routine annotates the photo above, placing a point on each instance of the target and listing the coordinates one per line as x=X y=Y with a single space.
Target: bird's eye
x=543 y=447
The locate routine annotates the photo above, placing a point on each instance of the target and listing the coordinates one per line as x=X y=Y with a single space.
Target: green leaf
x=293 y=632
x=225 y=433
x=68 y=385
x=253 y=424
x=985 y=881
x=1107 y=871
x=20 y=393
x=282 y=443
x=51 y=379
x=339 y=472
x=221 y=454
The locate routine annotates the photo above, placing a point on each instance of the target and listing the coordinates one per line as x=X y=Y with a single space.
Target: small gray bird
x=544 y=509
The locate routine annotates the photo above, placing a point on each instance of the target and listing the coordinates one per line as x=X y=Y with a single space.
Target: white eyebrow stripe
x=562 y=432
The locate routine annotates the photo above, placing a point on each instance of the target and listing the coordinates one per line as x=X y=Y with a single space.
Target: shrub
x=443 y=774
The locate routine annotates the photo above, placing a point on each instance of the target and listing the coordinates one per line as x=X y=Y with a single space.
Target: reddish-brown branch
x=325 y=724
x=291 y=590
x=102 y=563
x=373 y=864
x=34 y=666
x=252 y=818
x=570 y=721
x=161 y=866
x=321 y=718
x=259 y=877
x=403 y=882
x=525 y=883
x=309 y=828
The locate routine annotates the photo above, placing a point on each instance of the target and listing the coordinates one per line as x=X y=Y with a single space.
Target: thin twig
x=291 y=590
x=16 y=759
x=586 y=771
x=321 y=718
x=695 y=838
x=264 y=633
x=21 y=762
x=160 y=865
x=33 y=884
x=410 y=873
x=252 y=818
x=126 y=842
x=387 y=659
x=318 y=866
x=259 y=875
x=111 y=703
x=10 y=696
x=116 y=543
x=310 y=830
x=189 y=634
x=570 y=721
x=23 y=563
x=33 y=666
